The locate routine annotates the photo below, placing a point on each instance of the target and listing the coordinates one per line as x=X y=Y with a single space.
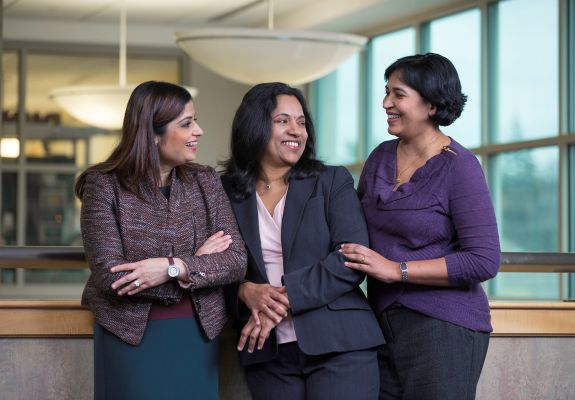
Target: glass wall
x=464 y=51
x=337 y=116
x=38 y=203
x=507 y=54
x=382 y=52
x=525 y=61
x=525 y=187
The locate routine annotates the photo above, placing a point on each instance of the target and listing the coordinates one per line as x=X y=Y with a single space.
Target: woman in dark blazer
x=306 y=329
x=161 y=241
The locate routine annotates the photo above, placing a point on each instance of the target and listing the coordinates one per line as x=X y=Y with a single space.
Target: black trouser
x=428 y=359
x=293 y=375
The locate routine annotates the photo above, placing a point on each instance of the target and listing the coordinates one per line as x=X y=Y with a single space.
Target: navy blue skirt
x=174 y=361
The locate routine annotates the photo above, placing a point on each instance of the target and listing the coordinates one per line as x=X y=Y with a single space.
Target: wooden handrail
x=57 y=318
x=42 y=257
x=67 y=257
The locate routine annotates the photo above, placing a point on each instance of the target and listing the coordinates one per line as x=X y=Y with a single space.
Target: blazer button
x=198 y=306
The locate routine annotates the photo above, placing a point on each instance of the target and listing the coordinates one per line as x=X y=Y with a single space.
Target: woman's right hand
x=264 y=298
x=216 y=243
x=257 y=333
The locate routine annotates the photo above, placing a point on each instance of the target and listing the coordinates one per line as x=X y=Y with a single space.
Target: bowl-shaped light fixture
x=100 y=106
x=250 y=55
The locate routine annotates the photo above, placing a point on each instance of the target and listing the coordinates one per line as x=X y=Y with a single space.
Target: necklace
x=268 y=184
x=398 y=180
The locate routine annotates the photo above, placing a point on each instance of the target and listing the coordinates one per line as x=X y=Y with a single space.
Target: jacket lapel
x=247 y=217
x=298 y=194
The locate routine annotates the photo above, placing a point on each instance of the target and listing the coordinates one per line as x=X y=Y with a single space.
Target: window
x=524 y=187
x=512 y=120
x=383 y=51
x=38 y=204
x=337 y=115
x=525 y=61
x=464 y=51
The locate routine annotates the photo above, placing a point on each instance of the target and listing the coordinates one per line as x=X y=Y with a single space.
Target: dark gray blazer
x=330 y=311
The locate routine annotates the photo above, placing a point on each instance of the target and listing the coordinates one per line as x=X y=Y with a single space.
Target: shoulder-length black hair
x=151 y=107
x=435 y=78
x=251 y=132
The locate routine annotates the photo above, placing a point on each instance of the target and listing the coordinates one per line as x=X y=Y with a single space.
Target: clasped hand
x=268 y=305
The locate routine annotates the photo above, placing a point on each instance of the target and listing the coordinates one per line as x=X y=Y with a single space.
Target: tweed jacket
x=119 y=227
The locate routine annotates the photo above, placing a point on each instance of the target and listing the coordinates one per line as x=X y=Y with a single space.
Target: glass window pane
x=9 y=209
x=9 y=86
x=337 y=109
x=464 y=51
x=51 y=210
x=525 y=189
x=47 y=72
x=55 y=151
x=9 y=145
x=526 y=69
x=384 y=50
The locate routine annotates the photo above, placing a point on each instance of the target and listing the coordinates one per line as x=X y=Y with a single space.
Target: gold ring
x=363 y=259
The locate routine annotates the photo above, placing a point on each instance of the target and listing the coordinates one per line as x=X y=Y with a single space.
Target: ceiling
x=352 y=16
x=152 y=23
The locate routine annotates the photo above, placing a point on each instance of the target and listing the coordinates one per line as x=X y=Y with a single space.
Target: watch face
x=173 y=271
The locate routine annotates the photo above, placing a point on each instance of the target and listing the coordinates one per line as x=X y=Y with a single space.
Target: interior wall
x=534 y=368
x=216 y=103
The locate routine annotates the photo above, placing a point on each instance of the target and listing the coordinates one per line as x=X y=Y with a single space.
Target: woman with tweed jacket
x=161 y=241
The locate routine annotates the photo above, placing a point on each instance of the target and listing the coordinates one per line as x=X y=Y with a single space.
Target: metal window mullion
x=362 y=79
x=21 y=174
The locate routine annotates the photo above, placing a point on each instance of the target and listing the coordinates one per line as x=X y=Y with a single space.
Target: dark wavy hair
x=436 y=80
x=251 y=132
x=151 y=107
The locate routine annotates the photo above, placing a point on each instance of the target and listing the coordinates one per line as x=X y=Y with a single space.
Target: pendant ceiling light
x=102 y=106
x=252 y=56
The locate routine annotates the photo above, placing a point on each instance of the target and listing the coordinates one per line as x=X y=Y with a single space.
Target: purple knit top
x=444 y=211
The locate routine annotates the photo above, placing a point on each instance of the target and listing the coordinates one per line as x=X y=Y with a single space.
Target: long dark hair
x=151 y=107
x=435 y=78
x=251 y=132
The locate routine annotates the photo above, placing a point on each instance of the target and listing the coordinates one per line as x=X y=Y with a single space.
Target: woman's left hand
x=141 y=275
x=372 y=263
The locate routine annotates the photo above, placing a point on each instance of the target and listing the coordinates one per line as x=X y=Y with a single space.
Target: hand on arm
x=265 y=299
x=257 y=333
x=423 y=272
x=216 y=243
x=146 y=273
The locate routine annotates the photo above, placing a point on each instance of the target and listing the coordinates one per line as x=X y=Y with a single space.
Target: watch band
x=171 y=261
x=403 y=268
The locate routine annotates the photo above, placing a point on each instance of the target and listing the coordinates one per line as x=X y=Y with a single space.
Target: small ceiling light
x=9 y=148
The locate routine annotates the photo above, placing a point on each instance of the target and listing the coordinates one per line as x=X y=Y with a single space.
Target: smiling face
x=289 y=135
x=178 y=145
x=408 y=114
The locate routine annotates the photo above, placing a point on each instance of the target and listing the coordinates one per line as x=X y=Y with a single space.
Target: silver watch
x=403 y=269
x=173 y=269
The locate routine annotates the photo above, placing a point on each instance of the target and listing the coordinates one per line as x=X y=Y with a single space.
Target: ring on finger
x=363 y=259
x=137 y=283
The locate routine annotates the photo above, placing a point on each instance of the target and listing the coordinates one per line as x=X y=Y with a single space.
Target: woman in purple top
x=433 y=238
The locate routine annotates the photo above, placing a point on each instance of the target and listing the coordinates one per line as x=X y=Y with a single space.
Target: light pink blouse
x=270 y=237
